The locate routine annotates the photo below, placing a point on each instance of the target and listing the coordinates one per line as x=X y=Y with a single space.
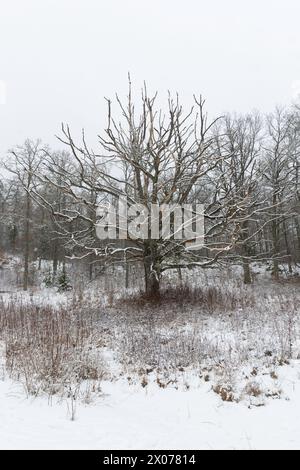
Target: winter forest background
x=243 y=168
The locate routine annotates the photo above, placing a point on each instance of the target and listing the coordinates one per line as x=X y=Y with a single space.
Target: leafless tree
x=169 y=158
x=238 y=178
x=277 y=170
x=23 y=162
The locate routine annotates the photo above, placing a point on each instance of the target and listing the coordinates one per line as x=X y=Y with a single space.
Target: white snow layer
x=130 y=417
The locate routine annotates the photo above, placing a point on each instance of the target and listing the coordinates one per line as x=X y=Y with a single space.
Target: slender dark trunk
x=55 y=260
x=14 y=235
x=27 y=243
x=276 y=240
x=288 y=250
x=91 y=271
x=246 y=255
x=126 y=274
x=247 y=272
x=275 y=235
x=297 y=226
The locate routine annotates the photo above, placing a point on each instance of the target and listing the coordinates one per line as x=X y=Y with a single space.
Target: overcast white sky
x=59 y=58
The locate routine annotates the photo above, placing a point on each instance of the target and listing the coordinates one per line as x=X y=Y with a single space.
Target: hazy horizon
x=58 y=59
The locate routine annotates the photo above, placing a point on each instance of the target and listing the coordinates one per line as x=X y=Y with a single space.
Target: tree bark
x=247 y=272
x=246 y=253
x=27 y=243
x=288 y=249
x=54 y=260
x=152 y=283
x=152 y=270
x=275 y=235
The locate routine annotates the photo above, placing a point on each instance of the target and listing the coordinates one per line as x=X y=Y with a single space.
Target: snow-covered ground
x=167 y=370
x=128 y=417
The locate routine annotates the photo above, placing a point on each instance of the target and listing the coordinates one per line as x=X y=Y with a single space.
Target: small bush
x=225 y=392
x=253 y=389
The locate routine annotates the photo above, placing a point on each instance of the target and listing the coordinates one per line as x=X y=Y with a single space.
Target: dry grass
x=210 y=298
x=50 y=351
x=218 y=331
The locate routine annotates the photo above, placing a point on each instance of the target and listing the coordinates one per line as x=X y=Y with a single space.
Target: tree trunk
x=246 y=253
x=54 y=261
x=90 y=271
x=14 y=235
x=152 y=283
x=297 y=243
x=288 y=250
x=126 y=275
x=247 y=272
x=27 y=243
x=275 y=235
x=152 y=270
x=276 y=240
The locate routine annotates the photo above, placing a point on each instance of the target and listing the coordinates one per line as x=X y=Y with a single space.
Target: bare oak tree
x=150 y=157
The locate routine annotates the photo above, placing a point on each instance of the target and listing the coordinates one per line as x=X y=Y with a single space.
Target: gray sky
x=59 y=58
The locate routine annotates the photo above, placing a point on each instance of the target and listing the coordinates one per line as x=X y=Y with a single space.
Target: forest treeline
x=243 y=168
